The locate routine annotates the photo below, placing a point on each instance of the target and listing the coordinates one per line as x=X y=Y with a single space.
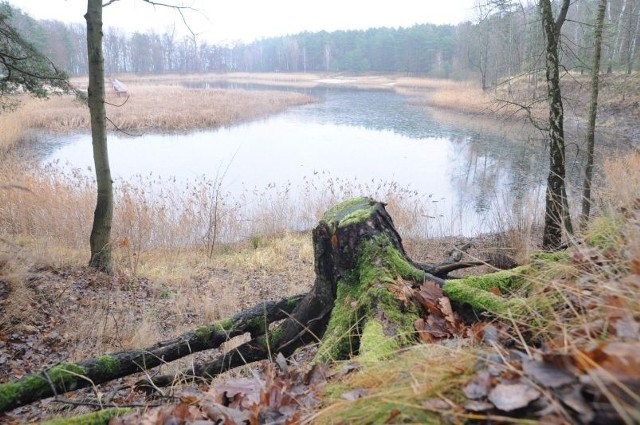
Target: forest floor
x=581 y=368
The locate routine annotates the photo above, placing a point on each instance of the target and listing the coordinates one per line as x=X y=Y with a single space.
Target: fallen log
x=360 y=304
x=66 y=377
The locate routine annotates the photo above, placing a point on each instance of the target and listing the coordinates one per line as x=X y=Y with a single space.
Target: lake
x=365 y=141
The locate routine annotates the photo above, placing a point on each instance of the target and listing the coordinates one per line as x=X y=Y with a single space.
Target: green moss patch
x=101 y=417
x=364 y=295
x=349 y=212
x=107 y=363
x=204 y=333
x=374 y=344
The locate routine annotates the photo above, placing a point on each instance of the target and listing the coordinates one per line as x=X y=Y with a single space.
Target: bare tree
x=103 y=214
x=593 y=108
x=556 y=209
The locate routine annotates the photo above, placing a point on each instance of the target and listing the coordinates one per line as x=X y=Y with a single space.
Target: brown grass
x=14 y=126
x=167 y=108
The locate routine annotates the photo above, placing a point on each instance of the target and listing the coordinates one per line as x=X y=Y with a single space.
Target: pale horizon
x=251 y=20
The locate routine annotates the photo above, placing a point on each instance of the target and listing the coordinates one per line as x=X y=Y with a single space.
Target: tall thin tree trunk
x=556 y=213
x=103 y=215
x=593 y=108
x=633 y=37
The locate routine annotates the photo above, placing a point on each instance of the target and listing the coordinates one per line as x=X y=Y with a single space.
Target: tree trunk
x=103 y=215
x=556 y=213
x=593 y=110
x=66 y=377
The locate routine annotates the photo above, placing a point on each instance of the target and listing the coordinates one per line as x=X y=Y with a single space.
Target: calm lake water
x=353 y=138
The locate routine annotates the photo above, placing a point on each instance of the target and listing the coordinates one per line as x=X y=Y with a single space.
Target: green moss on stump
x=475 y=290
x=557 y=256
x=257 y=326
x=362 y=294
x=374 y=344
x=271 y=339
x=63 y=371
x=349 y=212
x=505 y=280
x=8 y=393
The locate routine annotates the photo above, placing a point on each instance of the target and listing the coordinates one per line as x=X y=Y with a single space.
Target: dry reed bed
x=13 y=127
x=167 y=108
x=152 y=213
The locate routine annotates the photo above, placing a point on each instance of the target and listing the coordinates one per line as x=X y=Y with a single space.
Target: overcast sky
x=247 y=20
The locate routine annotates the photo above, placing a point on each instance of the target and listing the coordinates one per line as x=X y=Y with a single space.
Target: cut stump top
x=349 y=212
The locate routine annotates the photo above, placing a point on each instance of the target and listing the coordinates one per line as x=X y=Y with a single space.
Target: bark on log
x=66 y=377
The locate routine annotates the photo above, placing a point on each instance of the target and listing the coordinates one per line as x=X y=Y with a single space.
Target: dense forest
x=504 y=40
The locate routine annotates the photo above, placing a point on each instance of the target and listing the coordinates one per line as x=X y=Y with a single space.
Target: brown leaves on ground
x=277 y=396
x=439 y=320
x=598 y=385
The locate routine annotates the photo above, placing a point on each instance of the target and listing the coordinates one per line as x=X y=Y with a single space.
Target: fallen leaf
x=348 y=368
x=224 y=415
x=547 y=374
x=490 y=334
x=625 y=327
x=478 y=387
x=435 y=404
x=423 y=335
x=478 y=406
x=495 y=291
x=317 y=374
x=576 y=402
x=282 y=363
x=436 y=325
x=428 y=295
x=447 y=311
x=508 y=397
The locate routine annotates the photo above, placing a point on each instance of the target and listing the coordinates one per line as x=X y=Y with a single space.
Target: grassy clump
x=400 y=386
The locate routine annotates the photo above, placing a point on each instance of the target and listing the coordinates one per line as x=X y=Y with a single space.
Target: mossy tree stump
x=361 y=303
x=359 y=263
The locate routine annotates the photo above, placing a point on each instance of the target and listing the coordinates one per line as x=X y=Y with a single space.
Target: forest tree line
x=504 y=40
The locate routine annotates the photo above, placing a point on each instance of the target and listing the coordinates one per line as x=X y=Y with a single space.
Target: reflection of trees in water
x=491 y=165
x=518 y=168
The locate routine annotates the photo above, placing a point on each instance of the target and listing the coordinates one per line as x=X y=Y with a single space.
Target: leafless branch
x=179 y=9
x=118 y=106
x=121 y=130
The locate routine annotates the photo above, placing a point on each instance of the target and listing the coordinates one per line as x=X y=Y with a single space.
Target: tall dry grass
x=167 y=108
x=14 y=125
x=48 y=204
x=595 y=287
